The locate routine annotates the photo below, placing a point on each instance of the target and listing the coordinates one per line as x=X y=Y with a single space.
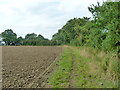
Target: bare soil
x=23 y=65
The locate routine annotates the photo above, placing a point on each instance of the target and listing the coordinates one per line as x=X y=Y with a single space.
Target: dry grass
x=101 y=67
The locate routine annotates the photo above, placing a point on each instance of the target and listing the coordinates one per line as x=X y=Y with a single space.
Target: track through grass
x=86 y=68
x=62 y=75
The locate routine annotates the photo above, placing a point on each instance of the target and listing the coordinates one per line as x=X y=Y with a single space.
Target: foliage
x=70 y=31
x=102 y=32
x=9 y=36
x=106 y=20
x=31 y=36
x=33 y=39
x=30 y=39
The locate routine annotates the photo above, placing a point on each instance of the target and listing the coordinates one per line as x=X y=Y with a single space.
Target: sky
x=43 y=17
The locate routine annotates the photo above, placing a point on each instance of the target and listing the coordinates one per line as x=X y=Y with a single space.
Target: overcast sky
x=43 y=17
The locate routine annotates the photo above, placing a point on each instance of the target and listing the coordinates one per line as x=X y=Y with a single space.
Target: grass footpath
x=88 y=67
x=61 y=76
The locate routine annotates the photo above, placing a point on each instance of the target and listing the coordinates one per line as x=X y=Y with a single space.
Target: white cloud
x=40 y=16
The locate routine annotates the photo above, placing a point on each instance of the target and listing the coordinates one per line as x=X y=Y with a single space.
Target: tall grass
x=96 y=68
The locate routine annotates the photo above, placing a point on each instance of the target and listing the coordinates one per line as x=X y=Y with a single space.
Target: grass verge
x=61 y=77
x=95 y=69
x=92 y=69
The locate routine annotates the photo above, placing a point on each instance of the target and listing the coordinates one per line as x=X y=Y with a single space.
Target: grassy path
x=85 y=68
x=61 y=77
x=73 y=74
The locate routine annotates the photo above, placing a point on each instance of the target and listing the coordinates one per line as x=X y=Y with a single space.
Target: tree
x=31 y=36
x=106 y=20
x=19 y=40
x=40 y=37
x=33 y=39
x=9 y=36
x=70 y=31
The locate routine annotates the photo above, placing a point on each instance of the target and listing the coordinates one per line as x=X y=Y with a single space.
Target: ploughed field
x=24 y=64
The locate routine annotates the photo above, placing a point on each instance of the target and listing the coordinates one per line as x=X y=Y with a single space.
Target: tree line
x=10 y=38
x=102 y=31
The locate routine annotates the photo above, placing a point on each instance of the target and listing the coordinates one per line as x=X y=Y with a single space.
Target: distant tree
x=40 y=37
x=9 y=36
x=31 y=36
x=19 y=40
x=33 y=39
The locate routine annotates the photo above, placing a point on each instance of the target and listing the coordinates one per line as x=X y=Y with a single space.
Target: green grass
x=93 y=69
x=61 y=76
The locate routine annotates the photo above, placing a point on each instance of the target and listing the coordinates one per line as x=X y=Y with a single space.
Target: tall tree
x=31 y=36
x=9 y=36
x=40 y=37
x=19 y=40
x=106 y=20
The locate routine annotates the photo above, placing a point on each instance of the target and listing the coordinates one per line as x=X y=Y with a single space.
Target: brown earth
x=24 y=65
